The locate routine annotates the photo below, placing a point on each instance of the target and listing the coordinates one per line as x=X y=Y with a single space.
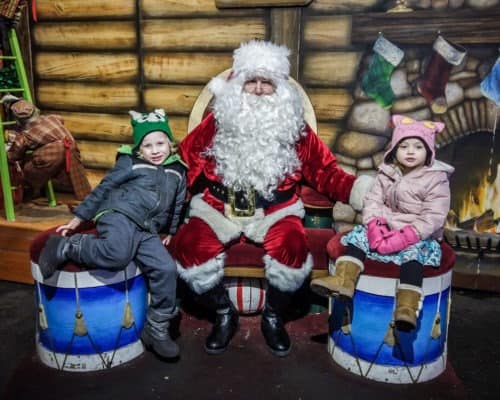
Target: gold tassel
x=128 y=318
x=436 y=328
x=390 y=338
x=80 y=328
x=42 y=317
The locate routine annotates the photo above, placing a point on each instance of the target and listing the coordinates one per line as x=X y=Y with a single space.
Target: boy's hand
x=166 y=240
x=70 y=226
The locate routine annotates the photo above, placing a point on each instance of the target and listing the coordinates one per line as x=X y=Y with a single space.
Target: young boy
x=140 y=196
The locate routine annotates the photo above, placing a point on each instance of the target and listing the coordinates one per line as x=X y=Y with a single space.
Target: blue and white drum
x=89 y=320
x=363 y=339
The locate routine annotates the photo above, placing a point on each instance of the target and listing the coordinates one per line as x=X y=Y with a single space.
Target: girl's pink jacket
x=420 y=198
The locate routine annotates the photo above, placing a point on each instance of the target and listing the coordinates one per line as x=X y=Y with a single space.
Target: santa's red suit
x=276 y=224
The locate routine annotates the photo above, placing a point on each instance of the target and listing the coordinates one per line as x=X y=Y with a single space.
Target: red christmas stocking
x=433 y=83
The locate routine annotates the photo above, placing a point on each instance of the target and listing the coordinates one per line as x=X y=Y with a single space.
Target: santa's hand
x=70 y=226
x=361 y=186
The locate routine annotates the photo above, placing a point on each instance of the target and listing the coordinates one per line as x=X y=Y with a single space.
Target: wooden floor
x=15 y=236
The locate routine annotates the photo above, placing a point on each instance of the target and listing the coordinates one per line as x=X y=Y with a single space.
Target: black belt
x=244 y=200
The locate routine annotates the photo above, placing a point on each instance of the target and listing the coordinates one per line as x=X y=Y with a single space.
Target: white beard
x=256 y=137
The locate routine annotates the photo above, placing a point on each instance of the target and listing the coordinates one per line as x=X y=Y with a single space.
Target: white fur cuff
x=201 y=278
x=285 y=278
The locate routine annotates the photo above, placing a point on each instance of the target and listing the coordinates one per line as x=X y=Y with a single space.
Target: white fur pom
x=358 y=192
x=217 y=85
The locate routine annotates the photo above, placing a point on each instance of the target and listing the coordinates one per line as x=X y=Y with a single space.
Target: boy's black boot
x=156 y=337
x=58 y=250
x=53 y=254
x=226 y=319
x=272 y=324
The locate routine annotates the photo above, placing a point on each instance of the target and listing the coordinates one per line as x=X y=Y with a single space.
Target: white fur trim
x=224 y=228
x=452 y=53
x=285 y=278
x=257 y=230
x=217 y=85
x=257 y=57
x=354 y=260
x=203 y=277
x=361 y=186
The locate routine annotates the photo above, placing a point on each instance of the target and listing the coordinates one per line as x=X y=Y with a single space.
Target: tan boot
x=407 y=307
x=343 y=282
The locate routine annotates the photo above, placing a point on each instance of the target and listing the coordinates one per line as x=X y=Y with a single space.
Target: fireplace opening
x=474 y=219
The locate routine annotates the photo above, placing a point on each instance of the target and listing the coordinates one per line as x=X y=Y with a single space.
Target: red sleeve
x=191 y=147
x=320 y=169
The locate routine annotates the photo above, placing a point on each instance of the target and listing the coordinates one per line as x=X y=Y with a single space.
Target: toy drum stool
x=363 y=339
x=88 y=320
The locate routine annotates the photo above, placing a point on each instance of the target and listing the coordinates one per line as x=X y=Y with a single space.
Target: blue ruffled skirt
x=426 y=252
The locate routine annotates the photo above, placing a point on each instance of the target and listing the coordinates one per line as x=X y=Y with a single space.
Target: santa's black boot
x=226 y=319
x=272 y=324
x=57 y=251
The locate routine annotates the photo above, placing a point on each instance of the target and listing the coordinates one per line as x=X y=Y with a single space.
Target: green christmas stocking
x=376 y=83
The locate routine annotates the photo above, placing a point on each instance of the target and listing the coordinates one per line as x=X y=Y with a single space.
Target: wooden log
x=330 y=104
x=95 y=35
x=94 y=126
x=465 y=26
x=114 y=128
x=327 y=32
x=95 y=175
x=190 y=8
x=87 y=97
x=175 y=99
x=71 y=9
x=104 y=67
x=201 y=33
x=97 y=154
x=184 y=67
x=260 y=3
x=329 y=131
x=343 y=6
x=330 y=68
x=111 y=127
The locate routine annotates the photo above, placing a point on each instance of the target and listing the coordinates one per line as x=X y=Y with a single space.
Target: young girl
x=139 y=197
x=403 y=217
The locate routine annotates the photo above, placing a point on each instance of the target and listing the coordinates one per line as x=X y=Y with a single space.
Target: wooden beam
x=466 y=26
x=285 y=29
x=260 y=3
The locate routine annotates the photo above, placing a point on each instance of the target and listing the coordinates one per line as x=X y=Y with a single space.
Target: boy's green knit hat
x=144 y=123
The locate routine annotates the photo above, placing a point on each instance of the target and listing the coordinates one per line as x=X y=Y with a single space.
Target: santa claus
x=245 y=160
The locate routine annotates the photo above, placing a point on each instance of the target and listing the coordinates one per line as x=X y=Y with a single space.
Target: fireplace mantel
x=465 y=26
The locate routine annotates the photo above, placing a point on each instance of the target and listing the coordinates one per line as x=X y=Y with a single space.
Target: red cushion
x=336 y=249
x=311 y=198
x=248 y=255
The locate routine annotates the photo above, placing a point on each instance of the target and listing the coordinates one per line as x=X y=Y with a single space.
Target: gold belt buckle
x=239 y=212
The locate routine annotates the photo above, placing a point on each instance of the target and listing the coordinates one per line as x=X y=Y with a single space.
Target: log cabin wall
x=95 y=60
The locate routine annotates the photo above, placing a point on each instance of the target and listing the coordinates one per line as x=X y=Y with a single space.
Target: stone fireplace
x=468 y=143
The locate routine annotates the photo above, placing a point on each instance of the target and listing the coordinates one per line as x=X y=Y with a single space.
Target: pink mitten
x=375 y=231
x=395 y=241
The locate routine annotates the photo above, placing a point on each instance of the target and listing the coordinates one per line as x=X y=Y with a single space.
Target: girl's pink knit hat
x=406 y=127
